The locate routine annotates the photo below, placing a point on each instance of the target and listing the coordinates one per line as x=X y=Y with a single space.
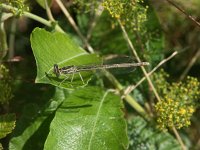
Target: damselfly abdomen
x=77 y=69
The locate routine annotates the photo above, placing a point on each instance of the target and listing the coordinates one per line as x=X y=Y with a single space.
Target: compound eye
x=56 y=70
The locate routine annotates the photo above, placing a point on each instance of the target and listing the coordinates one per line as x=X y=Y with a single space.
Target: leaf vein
x=96 y=119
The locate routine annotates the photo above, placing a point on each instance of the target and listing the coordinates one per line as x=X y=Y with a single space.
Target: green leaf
x=89 y=118
x=26 y=127
x=42 y=3
x=57 y=48
x=33 y=127
x=143 y=136
x=7 y=124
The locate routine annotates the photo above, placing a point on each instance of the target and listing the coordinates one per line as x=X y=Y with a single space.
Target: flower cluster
x=130 y=12
x=86 y=5
x=178 y=102
x=5 y=85
x=19 y=4
x=172 y=113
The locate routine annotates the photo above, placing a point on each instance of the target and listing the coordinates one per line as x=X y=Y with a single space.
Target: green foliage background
x=62 y=113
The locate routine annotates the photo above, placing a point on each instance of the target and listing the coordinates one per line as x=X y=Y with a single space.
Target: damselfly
x=72 y=69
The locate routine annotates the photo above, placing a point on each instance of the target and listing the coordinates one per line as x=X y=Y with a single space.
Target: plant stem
x=34 y=17
x=147 y=77
x=48 y=10
x=130 y=100
x=3 y=42
x=132 y=87
x=43 y=21
x=191 y=63
x=73 y=24
x=94 y=21
x=138 y=59
x=11 y=51
x=184 y=12
x=178 y=138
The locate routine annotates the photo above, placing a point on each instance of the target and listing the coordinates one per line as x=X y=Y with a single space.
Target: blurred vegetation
x=180 y=33
x=6 y=92
x=156 y=29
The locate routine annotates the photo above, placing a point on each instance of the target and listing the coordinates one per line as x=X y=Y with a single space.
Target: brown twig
x=48 y=10
x=94 y=21
x=178 y=138
x=191 y=63
x=11 y=51
x=184 y=12
x=132 y=87
x=73 y=24
x=138 y=59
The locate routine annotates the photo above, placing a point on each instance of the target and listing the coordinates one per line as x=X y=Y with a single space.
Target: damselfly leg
x=66 y=77
x=81 y=78
x=58 y=73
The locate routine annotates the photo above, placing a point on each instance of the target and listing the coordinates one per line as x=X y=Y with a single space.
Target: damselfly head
x=56 y=70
